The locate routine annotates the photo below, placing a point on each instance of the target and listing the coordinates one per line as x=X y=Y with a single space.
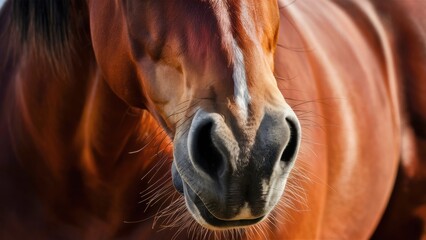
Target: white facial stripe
x=241 y=94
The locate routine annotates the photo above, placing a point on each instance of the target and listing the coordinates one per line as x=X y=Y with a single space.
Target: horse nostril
x=206 y=153
x=290 y=150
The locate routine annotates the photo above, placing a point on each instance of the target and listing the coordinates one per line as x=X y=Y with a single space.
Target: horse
x=233 y=119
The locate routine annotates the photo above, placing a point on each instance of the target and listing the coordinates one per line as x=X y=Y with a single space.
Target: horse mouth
x=203 y=215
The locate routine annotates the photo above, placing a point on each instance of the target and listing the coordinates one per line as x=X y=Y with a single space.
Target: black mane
x=43 y=20
x=46 y=29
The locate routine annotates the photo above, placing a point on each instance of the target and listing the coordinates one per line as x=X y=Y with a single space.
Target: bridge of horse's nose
x=212 y=146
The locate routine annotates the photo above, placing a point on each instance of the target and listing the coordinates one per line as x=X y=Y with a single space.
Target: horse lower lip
x=219 y=223
x=215 y=222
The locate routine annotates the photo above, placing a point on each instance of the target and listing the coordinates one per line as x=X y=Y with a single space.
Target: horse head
x=205 y=70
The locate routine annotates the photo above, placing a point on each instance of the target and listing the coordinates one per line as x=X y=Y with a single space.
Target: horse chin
x=205 y=218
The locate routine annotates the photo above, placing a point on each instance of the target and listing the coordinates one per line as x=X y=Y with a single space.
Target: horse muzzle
x=229 y=177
